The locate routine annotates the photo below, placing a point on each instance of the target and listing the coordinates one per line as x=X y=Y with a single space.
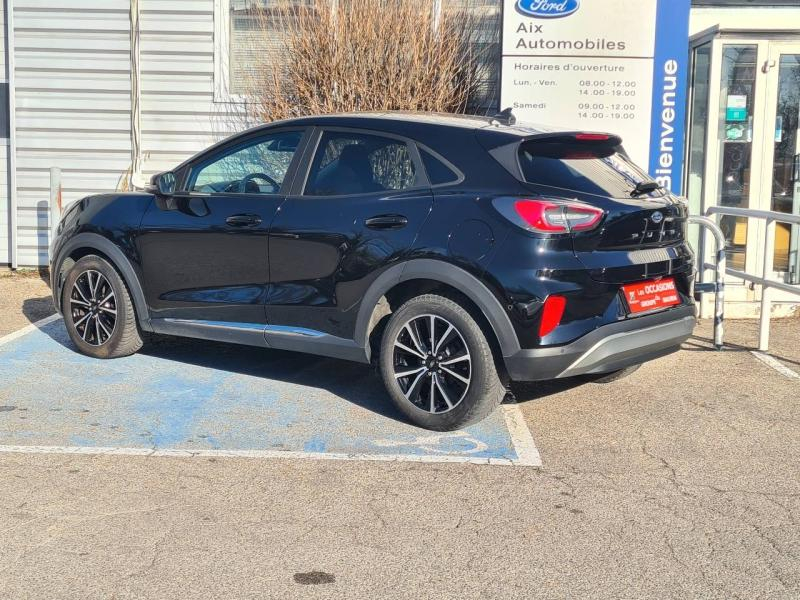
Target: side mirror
x=163 y=183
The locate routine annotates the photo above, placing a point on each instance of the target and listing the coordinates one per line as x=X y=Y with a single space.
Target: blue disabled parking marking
x=181 y=396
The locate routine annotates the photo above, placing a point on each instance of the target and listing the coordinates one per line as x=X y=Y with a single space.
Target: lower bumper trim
x=608 y=348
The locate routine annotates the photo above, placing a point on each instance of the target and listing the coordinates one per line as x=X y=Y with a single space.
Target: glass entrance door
x=745 y=149
x=737 y=123
x=781 y=186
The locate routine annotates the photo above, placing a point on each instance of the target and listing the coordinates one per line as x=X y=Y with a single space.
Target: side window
x=438 y=172
x=354 y=163
x=257 y=168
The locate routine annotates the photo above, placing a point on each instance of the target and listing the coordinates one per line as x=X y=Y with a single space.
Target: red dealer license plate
x=651 y=295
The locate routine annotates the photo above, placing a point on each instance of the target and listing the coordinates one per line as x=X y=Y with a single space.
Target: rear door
x=204 y=251
x=642 y=235
x=356 y=209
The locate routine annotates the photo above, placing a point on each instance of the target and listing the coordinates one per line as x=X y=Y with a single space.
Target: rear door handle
x=386 y=222
x=243 y=220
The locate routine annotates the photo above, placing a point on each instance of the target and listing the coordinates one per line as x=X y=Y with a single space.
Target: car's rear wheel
x=437 y=364
x=98 y=311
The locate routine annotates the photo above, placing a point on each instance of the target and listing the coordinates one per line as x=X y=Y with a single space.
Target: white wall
x=179 y=115
x=745 y=18
x=73 y=98
x=72 y=106
x=5 y=241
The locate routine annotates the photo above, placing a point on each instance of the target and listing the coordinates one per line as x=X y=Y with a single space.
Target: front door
x=205 y=251
x=359 y=211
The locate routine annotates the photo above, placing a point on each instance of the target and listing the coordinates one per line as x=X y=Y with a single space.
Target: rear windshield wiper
x=645 y=187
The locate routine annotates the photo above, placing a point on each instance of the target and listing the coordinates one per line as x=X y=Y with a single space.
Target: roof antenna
x=504 y=117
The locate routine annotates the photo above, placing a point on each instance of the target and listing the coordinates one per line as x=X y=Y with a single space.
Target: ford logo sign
x=657 y=217
x=547 y=9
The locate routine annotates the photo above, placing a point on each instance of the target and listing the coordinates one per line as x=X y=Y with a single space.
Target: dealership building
x=111 y=91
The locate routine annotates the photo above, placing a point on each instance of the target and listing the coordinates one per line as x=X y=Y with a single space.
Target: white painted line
x=527 y=453
x=774 y=363
x=113 y=451
x=27 y=329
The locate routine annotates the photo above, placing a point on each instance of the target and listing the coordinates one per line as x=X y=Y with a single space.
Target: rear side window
x=589 y=168
x=354 y=163
x=438 y=172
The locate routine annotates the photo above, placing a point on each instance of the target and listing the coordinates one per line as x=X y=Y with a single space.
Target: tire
x=455 y=403
x=614 y=375
x=89 y=322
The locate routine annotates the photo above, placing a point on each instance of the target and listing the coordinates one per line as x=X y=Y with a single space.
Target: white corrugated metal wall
x=177 y=70
x=73 y=98
x=72 y=83
x=5 y=237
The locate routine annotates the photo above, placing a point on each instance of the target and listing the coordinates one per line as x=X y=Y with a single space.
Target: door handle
x=243 y=220
x=386 y=222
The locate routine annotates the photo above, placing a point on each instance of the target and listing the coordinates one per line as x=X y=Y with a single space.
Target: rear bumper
x=608 y=348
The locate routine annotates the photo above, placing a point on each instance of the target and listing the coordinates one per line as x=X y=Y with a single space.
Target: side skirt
x=278 y=337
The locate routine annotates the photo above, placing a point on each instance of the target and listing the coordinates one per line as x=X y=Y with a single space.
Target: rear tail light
x=552 y=311
x=548 y=216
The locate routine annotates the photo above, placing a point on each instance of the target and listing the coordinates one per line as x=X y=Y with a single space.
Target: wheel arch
x=85 y=244
x=373 y=306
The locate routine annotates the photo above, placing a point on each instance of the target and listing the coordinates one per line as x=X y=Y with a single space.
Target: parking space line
x=774 y=363
x=28 y=328
x=262 y=454
x=521 y=436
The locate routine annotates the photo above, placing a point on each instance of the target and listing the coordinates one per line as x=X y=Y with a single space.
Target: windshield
x=582 y=167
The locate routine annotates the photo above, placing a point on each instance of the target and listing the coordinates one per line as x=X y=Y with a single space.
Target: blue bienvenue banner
x=670 y=75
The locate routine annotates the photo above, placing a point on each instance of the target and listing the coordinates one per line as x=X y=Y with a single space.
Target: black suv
x=457 y=253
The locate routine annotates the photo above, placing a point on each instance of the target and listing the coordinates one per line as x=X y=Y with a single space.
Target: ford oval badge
x=547 y=9
x=657 y=217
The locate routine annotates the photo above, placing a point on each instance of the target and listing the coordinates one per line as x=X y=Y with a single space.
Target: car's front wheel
x=438 y=366
x=98 y=311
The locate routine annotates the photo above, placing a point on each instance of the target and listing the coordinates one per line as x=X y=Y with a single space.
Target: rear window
x=589 y=168
x=438 y=172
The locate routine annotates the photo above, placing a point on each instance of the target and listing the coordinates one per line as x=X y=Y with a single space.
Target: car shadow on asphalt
x=697 y=343
x=357 y=383
x=529 y=391
x=354 y=382
x=36 y=309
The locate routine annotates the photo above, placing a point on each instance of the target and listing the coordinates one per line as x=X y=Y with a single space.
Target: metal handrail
x=780 y=217
x=771 y=217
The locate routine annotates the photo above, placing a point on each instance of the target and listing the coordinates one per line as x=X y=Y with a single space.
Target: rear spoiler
x=507 y=153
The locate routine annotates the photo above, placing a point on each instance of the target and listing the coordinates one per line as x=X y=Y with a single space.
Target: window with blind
x=257 y=39
x=485 y=42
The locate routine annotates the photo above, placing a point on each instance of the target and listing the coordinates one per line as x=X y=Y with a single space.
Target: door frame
x=764 y=112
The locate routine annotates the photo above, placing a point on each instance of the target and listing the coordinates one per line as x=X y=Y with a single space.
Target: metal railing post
x=766 y=290
x=719 y=297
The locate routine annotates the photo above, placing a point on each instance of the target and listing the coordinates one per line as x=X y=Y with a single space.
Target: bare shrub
x=361 y=55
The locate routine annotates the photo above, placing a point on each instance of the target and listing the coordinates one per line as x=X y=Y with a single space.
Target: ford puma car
x=455 y=253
